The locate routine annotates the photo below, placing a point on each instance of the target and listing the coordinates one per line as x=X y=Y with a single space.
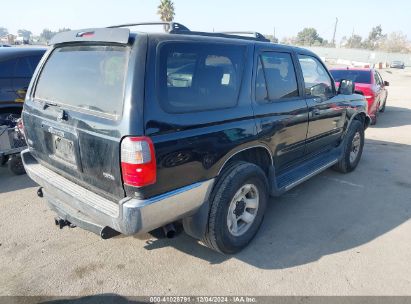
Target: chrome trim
x=128 y=216
x=242 y=150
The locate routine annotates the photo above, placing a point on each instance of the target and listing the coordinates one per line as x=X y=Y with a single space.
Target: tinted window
x=279 y=73
x=88 y=77
x=22 y=68
x=355 y=75
x=261 y=93
x=316 y=79
x=197 y=77
x=7 y=68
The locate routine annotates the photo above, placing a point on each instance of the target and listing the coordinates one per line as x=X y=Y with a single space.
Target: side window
x=377 y=78
x=7 y=68
x=316 y=79
x=279 y=73
x=261 y=93
x=22 y=69
x=198 y=77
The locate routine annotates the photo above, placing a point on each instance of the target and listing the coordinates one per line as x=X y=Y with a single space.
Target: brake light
x=138 y=161
x=20 y=125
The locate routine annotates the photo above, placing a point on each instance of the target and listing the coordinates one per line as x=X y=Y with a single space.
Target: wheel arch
x=259 y=155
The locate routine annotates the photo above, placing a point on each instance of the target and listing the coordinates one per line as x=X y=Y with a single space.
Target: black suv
x=128 y=132
x=17 y=66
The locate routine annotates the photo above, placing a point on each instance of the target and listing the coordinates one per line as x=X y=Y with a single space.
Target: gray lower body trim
x=128 y=216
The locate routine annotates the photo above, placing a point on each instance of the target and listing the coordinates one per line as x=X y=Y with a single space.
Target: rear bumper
x=90 y=211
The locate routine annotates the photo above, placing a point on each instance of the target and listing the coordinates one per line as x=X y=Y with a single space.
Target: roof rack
x=255 y=35
x=170 y=27
x=178 y=28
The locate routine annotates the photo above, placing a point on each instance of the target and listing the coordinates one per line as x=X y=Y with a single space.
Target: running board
x=300 y=173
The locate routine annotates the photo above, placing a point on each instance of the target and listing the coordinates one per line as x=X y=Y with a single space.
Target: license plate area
x=63 y=149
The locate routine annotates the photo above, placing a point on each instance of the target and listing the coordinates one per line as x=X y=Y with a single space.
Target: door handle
x=316 y=112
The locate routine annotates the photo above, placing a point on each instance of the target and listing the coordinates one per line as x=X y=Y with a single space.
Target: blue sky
x=288 y=17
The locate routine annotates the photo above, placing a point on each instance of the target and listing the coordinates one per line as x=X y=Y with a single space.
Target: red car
x=369 y=83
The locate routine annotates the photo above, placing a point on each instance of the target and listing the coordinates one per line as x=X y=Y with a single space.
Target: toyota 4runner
x=131 y=131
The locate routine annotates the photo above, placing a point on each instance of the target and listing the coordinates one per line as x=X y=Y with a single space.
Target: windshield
x=87 y=77
x=356 y=76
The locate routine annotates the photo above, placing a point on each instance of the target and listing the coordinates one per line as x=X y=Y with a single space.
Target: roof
x=12 y=52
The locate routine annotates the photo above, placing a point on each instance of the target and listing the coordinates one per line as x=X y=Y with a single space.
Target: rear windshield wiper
x=47 y=104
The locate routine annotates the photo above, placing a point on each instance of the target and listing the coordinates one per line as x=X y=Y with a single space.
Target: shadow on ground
x=10 y=182
x=330 y=213
x=393 y=117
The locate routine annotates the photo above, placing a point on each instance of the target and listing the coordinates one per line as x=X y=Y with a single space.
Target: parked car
x=128 y=132
x=397 y=65
x=369 y=83
x=17 y=66
x=4 y=45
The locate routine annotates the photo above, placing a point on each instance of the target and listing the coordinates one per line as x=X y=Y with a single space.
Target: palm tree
x=166 y=11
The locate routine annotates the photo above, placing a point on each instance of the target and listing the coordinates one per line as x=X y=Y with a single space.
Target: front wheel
x=237 y=209
x=353 y=147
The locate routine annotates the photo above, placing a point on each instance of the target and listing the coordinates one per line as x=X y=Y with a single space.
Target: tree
x=395 y=42
x=374 y=37
x=166 y=10
x=26 y=34
x=64 y=29
x=3 y=31
x=46 y=35
x=309 y=36
x=355 y=42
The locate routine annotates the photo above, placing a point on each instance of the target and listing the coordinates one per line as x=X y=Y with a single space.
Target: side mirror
x=346 y=87
x=386 y=83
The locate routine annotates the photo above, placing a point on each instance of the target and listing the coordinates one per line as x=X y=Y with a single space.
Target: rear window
x=86 y=77
x=198 y=77
x=353 y=75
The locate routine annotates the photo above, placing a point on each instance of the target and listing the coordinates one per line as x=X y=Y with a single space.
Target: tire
x=375 y=119
x=382 y=110
x=239 y=179
x=355 y=136
x=16 y=165
x=3 y=160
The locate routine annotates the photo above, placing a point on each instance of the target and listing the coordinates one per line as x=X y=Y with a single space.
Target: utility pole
x=335 y=31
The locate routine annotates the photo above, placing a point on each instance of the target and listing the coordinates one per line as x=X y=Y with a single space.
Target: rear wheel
x=238 y=203
x=375 y=118
x=16 y=165
x=353 y=148
x=3 y=159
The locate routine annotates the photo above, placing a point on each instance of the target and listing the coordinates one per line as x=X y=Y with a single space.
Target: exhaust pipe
x=169 y=231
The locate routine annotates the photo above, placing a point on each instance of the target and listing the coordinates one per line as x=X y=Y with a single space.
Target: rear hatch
x=74 y=115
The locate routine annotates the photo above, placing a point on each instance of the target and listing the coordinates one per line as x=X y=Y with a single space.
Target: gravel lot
x=333 y=235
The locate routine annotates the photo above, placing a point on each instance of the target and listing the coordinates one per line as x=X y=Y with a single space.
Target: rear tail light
x=20 y=125
x=138 y=161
